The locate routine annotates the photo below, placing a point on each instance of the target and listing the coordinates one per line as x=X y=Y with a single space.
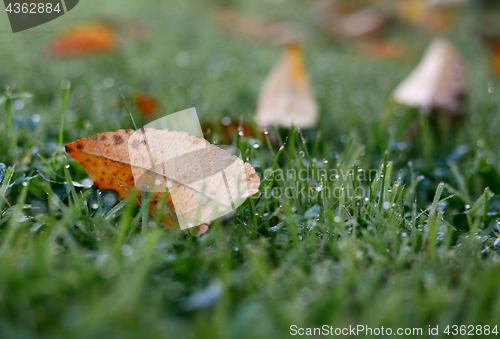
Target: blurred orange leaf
x=257 y=28
x=424 y=14
x=495 y=58
x=146 y=105
x=84 y=39
x=383 y=49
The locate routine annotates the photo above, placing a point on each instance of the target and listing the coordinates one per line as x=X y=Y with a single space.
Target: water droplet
x=108 y=82
x=35 y=118
x=109 y=199
x=325 y=161
x=157 y=182
x=87 y=183
x=255 y=145
x=169 y=184
x=127 y=250
x=386 y=205
x=65 y=84
x=68 y=166
x=18 y=105
x=337 y=219
x=226 y=121
x=25 y=183
x=95 y=206
x=266 y=132
x=240 y=133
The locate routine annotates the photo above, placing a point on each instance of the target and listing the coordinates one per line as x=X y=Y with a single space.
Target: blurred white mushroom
x=438 y=82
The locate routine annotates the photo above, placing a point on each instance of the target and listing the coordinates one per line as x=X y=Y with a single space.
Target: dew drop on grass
x=336 y=219
x=325 y=161
x=25 y=183
x=240 y=133
x=65 y=84
x=108 y=82
x=497 y=242
x=127 y=250
x=95 y=206
x=225 y=121
x=87 y=183
x=109 y=199
x=386 y=205
x=266 y=132
x=18 y=105
x=68 y=166
x=255 y=146
x=467 y=206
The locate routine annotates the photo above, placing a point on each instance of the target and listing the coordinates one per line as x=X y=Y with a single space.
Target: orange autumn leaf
x=383 y=49
x=328 y=11
x=258 y=28
x=495 y=58
x=146 y=105
x=286 y=97
x=123 y=159
x=424 y=14
x=363 y=23
x=84 y=39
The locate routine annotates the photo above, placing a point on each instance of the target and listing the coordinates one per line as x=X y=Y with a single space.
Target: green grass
x=406 y=241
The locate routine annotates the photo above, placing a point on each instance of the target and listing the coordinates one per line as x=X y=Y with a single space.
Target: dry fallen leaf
x=327 y=11
x=363 y=23
x=425 y=14
x=146 y=105
x=383 y=49
x=84 y=39
x=196 y=180
x=257 y=28
x=286 y=97
x=438 y=82
x=495 y=58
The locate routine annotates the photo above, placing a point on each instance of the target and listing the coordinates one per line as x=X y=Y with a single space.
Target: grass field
x=414 y=247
